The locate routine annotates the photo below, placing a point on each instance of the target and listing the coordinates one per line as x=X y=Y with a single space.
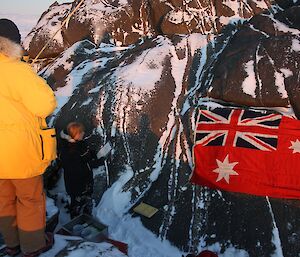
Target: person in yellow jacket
x=25 y=98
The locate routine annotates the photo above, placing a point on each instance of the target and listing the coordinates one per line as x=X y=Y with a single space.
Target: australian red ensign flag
x=247 y=151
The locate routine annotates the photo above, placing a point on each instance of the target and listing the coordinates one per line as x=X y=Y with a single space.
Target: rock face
x=142 y=98
x=124 y=22
x=48 y=27
x=259 y=66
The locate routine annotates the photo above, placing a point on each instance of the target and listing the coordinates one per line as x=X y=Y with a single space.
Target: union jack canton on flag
x=247 y=151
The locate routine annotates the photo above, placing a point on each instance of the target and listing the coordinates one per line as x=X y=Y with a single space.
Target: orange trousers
x=23 y=213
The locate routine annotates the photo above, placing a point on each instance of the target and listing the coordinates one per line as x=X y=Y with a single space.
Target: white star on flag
x=225 y=169
x=295 y=146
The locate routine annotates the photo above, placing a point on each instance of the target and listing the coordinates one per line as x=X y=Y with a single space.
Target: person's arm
x=95 y=163
x=90 y=157
x=33 y=92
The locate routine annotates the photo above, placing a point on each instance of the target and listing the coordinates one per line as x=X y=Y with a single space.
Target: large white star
x=295 y=146
x=225 y=169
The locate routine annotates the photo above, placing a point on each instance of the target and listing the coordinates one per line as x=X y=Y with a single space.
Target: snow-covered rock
x=142 y=98
x=124 y=22
x=260 y=64
x=48 y=27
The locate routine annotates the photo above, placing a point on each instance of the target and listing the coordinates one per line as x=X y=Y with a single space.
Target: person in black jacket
x=77 y=161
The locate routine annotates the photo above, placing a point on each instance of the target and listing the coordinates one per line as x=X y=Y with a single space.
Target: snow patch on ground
x=125 y=228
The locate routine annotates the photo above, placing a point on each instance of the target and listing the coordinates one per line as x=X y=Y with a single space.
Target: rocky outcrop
x=259 y=66
x=126 y=22
x=108 y=91
x=47 y=29
x=142 y=98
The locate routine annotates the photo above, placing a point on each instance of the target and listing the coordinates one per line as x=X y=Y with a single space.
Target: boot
x=13 y=251
x=48 y=246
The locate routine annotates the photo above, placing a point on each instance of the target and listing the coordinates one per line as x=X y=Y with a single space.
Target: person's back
x=25 y=100
x=23 y=97
x=77 y=173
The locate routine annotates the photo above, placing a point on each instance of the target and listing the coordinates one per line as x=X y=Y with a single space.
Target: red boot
x=48 y=246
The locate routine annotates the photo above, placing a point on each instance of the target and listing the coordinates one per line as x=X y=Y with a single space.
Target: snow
x=73 y=81
x=100 y=11
x=62 y=61
x=60 y=243
x=95 y=250
x=286 y=72
x=261 y=4
x=249 y=84
x=146 y=70
x=49 y=25
x=237 y=6
x=51 y=207
x=115 y=201
x=179 y=16
x=234 y=5
x=283 y=27
x=84 y=249
x=231 y=20
x=296 y=45
x=276 y=237
x=95 y=89
x=112 y=211
x=259 y=31
x=122 y=227
x=279 y=82
x=86 y=102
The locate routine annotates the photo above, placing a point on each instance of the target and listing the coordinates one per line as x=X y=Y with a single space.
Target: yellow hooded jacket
x=24 y=97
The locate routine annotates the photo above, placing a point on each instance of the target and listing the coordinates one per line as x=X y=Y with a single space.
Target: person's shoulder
x=82 y=144
x=19 y=66
x=22 y=65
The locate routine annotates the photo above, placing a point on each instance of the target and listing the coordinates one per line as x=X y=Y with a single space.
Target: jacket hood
x=65 y=136
x=10 y=48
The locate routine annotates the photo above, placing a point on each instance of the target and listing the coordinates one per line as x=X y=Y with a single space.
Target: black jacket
x=77 y=161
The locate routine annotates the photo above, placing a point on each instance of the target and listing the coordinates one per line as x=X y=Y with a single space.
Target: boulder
x=143 y=99
x=48 y=32
x=126 y=23
x=258 y=66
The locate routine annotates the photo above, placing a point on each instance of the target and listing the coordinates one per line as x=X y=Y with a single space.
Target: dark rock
x=1 y=240
x=151 y=128
x=285 y=4
x=261 y=60
x=290 y=17
x=286 y=215
x=127 y=24
x=48 y=33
